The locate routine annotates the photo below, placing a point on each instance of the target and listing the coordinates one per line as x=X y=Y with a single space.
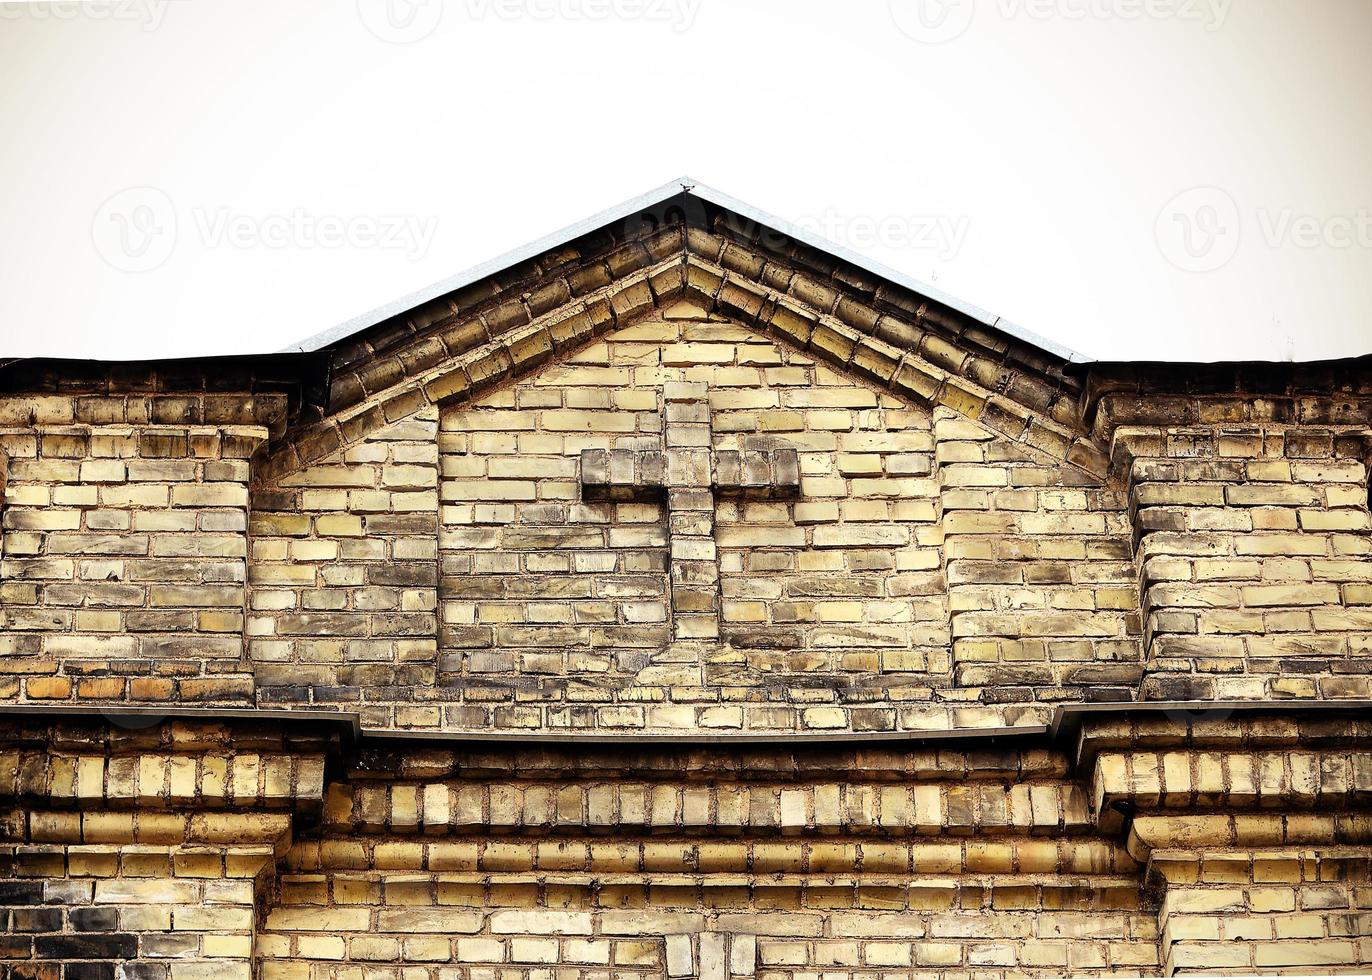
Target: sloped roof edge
x=657 y=196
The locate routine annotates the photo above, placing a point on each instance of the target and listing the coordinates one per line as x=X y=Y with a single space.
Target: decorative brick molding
x=460 y=345
x=190 y=849
x=665 y=871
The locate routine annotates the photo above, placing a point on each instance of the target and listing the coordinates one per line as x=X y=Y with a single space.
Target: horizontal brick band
x=682 y=856
x=831 y=808
x=158 y=781
x=1234 y=780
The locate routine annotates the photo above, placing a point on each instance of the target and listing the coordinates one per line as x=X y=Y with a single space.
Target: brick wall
x=686 y=481
x=135 y=912
x=830 y=598
x=124 y=562
x=1253 y=543
x=344 y=569
x=1266 y=911
x=1041 y=578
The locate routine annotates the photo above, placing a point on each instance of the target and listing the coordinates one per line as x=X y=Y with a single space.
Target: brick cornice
x=471 y=341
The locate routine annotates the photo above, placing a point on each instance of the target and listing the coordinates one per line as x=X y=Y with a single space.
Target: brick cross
x=690 y=473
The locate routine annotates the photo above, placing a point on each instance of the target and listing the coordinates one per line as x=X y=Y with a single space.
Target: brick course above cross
x=689 y=472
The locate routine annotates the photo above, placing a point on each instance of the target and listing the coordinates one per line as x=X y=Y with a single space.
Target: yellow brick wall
x=150 y=850
x=542 y=591
x=445 y=568
x=1040 y=573
x=924 y=567
x=343 y=578
x=182 y=913
x=124 y=562
x=1246 y=912
x=1254 y=547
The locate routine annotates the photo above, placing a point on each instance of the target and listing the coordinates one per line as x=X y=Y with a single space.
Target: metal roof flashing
x=651 y=199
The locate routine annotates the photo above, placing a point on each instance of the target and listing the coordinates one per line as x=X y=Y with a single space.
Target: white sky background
x=296 y=164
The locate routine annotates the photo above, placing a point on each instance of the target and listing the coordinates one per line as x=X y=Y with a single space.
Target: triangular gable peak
x=481 y=335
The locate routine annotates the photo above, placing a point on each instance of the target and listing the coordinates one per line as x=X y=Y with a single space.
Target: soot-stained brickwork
x=683 y=601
